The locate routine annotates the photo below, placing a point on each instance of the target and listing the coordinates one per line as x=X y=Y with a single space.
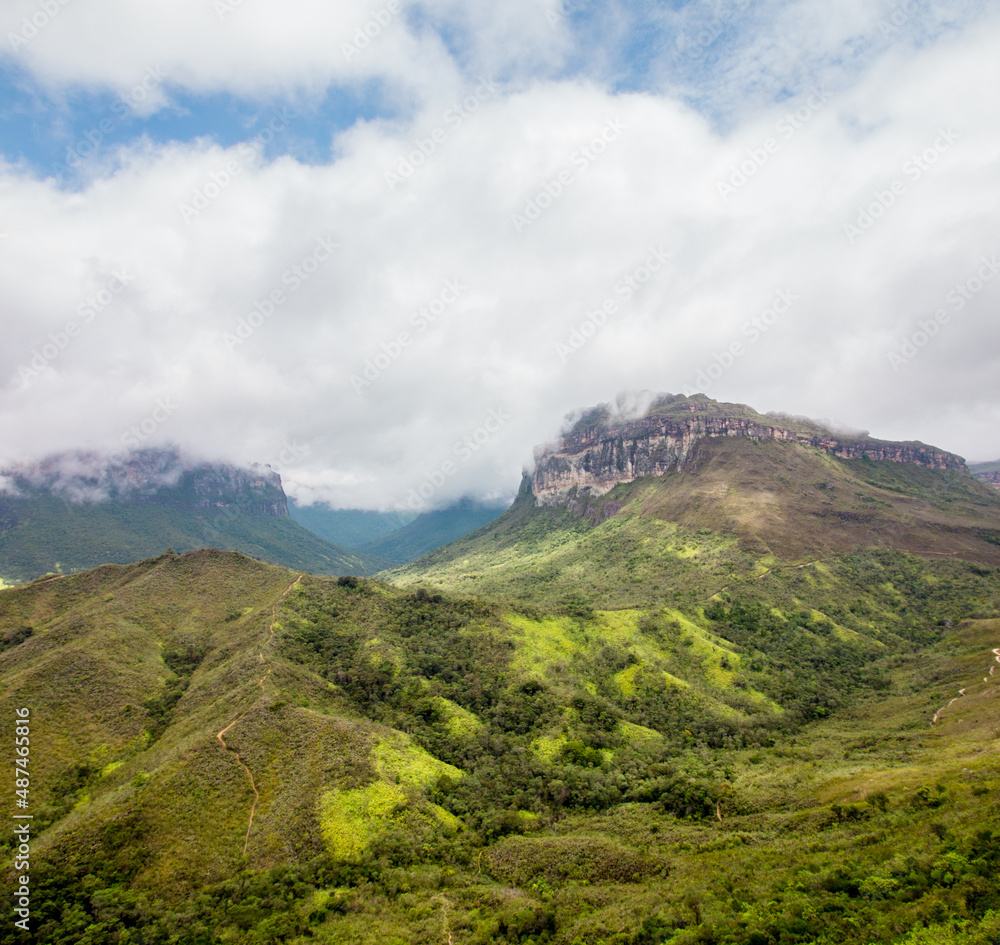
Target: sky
x=388 y=247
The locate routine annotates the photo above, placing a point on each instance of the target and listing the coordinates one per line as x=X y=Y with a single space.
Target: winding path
x=263 y=680
x=961 y=692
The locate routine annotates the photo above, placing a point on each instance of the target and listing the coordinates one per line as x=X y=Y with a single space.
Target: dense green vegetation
x=785 y=788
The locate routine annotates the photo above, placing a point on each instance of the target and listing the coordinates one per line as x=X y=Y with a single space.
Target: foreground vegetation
x=702 y=773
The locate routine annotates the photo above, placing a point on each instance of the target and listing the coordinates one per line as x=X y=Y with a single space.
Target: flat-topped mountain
x=601 y=451
x=144 y=475
x=75 y=511
x=676 y=501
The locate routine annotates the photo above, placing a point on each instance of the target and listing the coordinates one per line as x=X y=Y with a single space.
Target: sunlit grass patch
x=637 y=734
x=351 y=820
x=672 y=680
x=542 y=642
x=404 y=763
x=459 y=721
x=380 y=653
x=549 y=747
x=626 y=678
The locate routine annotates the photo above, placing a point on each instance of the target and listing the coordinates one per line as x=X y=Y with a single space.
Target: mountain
x=625 y=511
x=599 y=452
x=746 y=695
x=73 y=512
x=430 y=530
x=987 y=472
x=348 y=528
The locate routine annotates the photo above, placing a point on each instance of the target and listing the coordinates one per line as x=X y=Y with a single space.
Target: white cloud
x=481 y=383
x=264 y=50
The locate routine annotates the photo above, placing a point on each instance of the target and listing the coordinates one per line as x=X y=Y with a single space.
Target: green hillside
x=751 y=702
x=227 y=751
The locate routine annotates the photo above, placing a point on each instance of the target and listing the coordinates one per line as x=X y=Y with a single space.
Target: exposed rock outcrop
x=600 y=452
x=991 y=478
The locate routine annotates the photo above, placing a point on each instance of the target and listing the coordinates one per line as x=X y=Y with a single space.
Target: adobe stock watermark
x=224 y=8
x=464 y=450
x=694 y=48
x=785 y=128
x=564 y=10
x=912 y=170
x=61 y=339
x=371 y=30
x=220 y=180
x=87 y=144
x=135 y=436
x=957 y=299
x=293 y=278
x=625 y=288
x=901 y=14
x=47 y=11
x=753 y=330
x=425 y=145
x=290 y=454
x=422 y=319
x=580 y=161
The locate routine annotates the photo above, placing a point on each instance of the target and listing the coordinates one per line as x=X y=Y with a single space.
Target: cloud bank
x=512 y=238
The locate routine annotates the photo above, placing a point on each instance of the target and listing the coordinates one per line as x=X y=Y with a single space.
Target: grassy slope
x=621 y=735
x=976 y=468
x=46 y=534
x=96 y=660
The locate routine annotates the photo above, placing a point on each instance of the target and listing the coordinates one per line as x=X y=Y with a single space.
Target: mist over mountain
x=75 y=511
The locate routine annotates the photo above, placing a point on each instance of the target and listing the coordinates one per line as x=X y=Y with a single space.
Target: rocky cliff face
x=600 y=452
x=158 y=476
x=257 y=490
x=990 y=478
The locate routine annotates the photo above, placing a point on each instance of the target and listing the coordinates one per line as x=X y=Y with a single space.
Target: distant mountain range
x=349 y=528
x=75 y=511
